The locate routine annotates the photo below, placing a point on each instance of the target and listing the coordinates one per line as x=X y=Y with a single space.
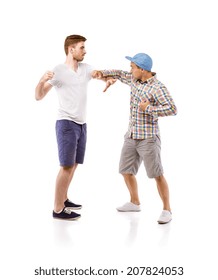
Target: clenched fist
x=47 y=76
x=96 y=74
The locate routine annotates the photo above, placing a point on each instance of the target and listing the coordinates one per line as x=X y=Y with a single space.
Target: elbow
x=175 y=111
x=37 y=98
x=38 y=95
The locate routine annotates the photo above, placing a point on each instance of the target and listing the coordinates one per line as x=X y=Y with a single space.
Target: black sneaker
x=66 y=214
x=70 y=205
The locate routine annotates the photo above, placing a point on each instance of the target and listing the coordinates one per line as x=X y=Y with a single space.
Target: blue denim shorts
x=71 y=140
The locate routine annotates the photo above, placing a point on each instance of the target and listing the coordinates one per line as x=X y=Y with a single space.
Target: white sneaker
x=165 y=217
x=129 y=207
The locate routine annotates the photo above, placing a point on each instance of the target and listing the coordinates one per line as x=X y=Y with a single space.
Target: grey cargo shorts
x=135 y=151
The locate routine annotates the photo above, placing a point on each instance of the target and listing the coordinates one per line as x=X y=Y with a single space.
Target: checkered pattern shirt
x=144 y=124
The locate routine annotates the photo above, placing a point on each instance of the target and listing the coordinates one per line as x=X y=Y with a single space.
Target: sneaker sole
x=128 y=210
x=70 y=219
x=162 y=223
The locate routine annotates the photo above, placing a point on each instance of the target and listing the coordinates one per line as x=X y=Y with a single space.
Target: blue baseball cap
x=142 y=60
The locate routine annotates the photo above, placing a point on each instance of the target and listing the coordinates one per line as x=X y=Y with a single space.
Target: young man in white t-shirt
x=70 y=80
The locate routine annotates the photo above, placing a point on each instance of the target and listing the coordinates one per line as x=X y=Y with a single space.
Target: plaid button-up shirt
x=144 y=124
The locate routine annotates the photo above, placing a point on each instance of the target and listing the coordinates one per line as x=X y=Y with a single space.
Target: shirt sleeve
x=89 y=70
x=122 y=76
x=55 y=83
x=163 y=105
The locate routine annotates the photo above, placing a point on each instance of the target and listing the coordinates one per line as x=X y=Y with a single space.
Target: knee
x=127 y=175
x=69 y=169
x=159 y=178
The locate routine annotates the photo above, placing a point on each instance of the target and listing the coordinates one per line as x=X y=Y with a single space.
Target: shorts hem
x=155 y=176
x=70 y=165
x=128 y=172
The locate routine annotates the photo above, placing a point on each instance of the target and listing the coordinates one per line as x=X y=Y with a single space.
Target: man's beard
x=79 y=59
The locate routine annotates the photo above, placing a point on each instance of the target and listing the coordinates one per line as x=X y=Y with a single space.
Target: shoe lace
x=165 y=214
x=67 y=211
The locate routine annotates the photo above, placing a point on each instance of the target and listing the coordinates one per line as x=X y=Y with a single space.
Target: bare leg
x=163 y=190
x=132 y=186
x=63 y=181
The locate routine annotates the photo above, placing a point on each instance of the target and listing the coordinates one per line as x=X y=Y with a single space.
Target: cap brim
x=129 y=58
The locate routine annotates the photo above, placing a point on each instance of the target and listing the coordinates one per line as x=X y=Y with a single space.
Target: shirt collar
x=150 y=80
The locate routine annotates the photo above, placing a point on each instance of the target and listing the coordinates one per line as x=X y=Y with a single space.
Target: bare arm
x=43 y=86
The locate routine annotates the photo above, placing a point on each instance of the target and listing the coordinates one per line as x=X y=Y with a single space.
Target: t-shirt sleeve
x=55 y=83
x=89 y=70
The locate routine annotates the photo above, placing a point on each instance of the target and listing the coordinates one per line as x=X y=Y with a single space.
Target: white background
x=180 y=36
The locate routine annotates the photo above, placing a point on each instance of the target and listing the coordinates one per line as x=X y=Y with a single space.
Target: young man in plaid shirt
x=149 y=99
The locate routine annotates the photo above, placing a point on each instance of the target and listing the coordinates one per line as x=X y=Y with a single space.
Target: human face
x=135 y=71
x=78 y=51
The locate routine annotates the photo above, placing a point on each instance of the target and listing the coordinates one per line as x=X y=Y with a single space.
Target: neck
x=147 y=76
x=71 y=63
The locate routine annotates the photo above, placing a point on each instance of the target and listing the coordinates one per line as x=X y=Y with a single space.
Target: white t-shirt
x=71 y=88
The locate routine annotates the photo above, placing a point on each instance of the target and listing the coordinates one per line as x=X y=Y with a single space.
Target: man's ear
x=70 y=49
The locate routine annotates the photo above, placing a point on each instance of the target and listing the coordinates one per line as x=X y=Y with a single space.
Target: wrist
x=42 y=81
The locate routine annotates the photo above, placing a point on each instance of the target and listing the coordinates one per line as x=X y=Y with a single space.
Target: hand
x=109 y=82
x=144 y=104
x=47 y=76
x=96 y=74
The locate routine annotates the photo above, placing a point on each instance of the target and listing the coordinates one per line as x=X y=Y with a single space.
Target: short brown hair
x=71 y=40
